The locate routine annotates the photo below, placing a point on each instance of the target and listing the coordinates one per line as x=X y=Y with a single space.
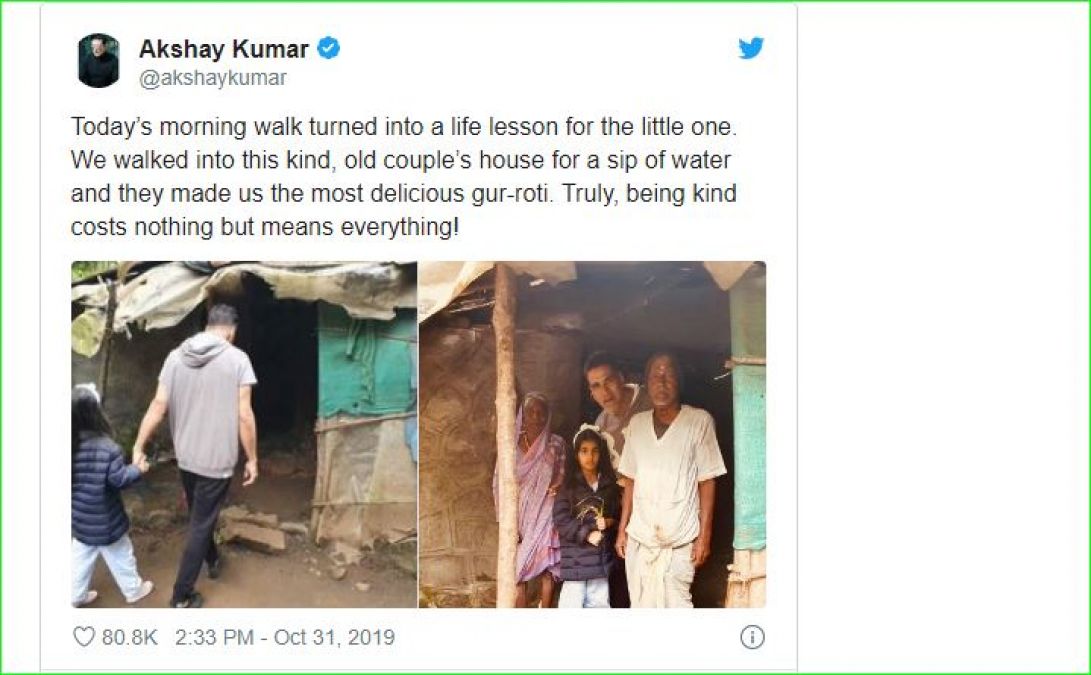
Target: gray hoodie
x=202 y=348
x=202 y=378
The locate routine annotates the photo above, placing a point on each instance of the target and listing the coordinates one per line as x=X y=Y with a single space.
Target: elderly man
x=99 y=68
x=205 y=387
x=671 y=459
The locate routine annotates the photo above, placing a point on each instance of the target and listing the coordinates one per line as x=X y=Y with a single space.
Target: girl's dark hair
x=87 y=415
x=572 y=471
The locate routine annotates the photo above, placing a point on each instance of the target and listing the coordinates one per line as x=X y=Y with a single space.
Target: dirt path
x=299 y=577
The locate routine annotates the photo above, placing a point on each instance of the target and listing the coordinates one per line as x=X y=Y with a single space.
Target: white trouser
x=593 y=593
x=659 y=577
x=119 y=558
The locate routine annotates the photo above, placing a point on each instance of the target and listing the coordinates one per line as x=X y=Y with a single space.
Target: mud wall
x=134 y=374
x=458 y=532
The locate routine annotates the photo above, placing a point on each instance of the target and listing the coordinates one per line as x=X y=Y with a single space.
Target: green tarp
x=365 y=366
x=749 y=393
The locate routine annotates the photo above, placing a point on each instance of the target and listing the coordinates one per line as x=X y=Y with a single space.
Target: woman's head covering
x=538 y=471
x=537 y=396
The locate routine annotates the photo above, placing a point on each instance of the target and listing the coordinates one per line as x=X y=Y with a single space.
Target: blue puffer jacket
x=99 y=473
x=581 y=560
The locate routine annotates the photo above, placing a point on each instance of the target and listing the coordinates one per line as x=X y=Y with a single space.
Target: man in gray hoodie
x=205 y=388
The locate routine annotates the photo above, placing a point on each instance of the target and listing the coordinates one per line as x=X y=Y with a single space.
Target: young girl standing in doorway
x=585 y=514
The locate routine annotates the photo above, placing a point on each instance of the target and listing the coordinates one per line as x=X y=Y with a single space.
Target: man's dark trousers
x=205 y=497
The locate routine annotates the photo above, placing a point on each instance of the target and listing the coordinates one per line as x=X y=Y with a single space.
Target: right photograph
x=592 y=434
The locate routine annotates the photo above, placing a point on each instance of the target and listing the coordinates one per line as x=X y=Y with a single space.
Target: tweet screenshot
x=388 y=321
x=399 y=334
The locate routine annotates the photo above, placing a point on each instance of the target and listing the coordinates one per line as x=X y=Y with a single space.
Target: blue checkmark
x=329 y=47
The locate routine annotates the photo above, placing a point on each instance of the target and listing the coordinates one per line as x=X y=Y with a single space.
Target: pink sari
x=536 y=471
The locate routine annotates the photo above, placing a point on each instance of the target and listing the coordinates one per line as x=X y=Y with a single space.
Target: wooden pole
x=503 y=326
x=107 y=339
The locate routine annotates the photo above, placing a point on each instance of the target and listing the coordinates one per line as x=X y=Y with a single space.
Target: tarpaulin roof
x=163 y=295
x=441 y=282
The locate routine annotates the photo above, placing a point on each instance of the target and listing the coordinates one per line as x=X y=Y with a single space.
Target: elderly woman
x=539 y=469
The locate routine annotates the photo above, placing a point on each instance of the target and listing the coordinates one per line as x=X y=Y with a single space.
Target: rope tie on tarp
x=733 y=361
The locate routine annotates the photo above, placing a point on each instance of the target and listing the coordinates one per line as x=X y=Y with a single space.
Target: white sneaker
x=145 y=590
x=90 y=597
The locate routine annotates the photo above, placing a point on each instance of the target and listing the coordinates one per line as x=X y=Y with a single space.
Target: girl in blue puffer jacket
x=585 y=513
x=100 y=525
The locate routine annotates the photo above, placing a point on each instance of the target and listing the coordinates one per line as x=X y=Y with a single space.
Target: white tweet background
x=516 y=61
x=943 y=341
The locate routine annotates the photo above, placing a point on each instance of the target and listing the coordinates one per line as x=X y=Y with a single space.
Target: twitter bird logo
x=750 y=49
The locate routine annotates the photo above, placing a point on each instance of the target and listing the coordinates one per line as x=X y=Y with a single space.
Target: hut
x=334 y=348
x=711 y=314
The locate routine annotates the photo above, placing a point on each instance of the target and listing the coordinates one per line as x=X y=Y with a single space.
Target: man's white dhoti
x=665 y=519
x=659 y=576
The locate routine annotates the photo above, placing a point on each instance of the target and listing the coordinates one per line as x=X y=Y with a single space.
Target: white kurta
x=666 y=504
x=666 y=472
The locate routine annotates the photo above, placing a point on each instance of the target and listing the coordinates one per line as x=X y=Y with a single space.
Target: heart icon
x=84 y=635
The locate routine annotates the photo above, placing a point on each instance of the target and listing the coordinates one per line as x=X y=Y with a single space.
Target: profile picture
x=98 y=64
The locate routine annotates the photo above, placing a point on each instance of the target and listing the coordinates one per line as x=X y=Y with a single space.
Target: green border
x=3 y=410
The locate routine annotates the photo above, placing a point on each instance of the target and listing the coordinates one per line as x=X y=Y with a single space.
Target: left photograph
x=244 y=434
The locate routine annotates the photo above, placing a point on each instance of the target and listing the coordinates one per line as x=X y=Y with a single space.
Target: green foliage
x=81 y=269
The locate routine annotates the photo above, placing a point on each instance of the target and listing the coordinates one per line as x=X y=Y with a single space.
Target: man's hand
x=141 y=463
x=594 y=538
x=250 y=473
x=702 y=546
x=139 y=458
x=700 y=552
x=157 y=410
x=248 y=436
x=626 y=513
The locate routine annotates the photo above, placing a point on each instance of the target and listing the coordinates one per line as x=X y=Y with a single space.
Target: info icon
x=752 y=637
